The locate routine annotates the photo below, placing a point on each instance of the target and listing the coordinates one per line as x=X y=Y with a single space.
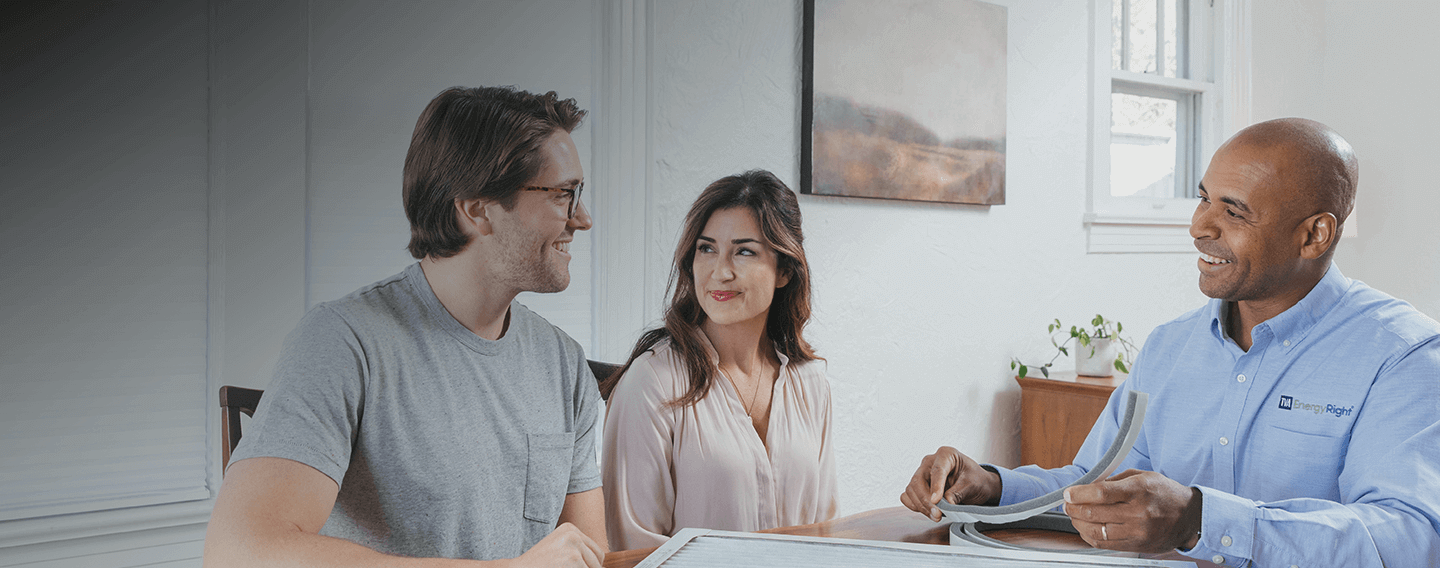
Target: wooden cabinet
x=1056 y=414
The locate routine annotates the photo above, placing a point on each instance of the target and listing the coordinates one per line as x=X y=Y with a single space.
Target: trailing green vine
x=1100 y=328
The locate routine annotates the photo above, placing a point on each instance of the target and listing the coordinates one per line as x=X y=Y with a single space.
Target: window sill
x=1110 y=233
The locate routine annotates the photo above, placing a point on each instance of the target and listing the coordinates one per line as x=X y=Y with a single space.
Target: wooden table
x=898 y=524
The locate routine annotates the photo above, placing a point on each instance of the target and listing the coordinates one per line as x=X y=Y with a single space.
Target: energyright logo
x=1292 y=403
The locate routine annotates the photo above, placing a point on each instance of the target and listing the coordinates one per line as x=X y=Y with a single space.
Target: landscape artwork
x=905 y=99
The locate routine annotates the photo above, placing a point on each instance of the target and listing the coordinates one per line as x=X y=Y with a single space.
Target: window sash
x=1184 y=15
x=1147 y=224
x=1187 y=132
x=1197 y=106
x=1190 y=95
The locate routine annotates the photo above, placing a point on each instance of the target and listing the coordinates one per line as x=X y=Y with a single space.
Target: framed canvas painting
x=904 y=99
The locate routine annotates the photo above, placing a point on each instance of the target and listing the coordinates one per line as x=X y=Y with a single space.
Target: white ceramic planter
x=1101 y=363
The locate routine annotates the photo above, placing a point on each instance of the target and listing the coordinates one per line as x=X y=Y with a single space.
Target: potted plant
x=1100 y=348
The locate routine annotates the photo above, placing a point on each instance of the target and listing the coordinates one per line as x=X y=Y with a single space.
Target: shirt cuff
x=1227 y=529
x=1015 y=486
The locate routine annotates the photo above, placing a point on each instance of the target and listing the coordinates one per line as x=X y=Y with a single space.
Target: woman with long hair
x=721 y=418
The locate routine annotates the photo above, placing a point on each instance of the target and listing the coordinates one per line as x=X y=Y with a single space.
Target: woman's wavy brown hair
x=777 y=211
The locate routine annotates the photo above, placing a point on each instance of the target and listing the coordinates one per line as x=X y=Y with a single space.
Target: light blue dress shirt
x=1318 y=447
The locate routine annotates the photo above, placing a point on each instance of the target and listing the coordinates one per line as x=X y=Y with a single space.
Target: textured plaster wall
x=1362 y=67
x=1379 y=90
x=918 y=307
x=1288 y=58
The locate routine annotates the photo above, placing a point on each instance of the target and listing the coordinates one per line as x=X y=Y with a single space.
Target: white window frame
x=1219 y=60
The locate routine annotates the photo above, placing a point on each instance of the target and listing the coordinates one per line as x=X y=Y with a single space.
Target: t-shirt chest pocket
x=547 y=475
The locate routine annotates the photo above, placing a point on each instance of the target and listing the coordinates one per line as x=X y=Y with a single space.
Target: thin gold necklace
x=754 y=398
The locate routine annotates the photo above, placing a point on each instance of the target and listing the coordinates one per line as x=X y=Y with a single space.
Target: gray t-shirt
x=444 y=444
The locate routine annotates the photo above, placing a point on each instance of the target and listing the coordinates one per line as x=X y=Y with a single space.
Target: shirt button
x=1287 y=344
x=1224 y=441
x=1240 y=378
x=1218 y=559
x=1225 y=540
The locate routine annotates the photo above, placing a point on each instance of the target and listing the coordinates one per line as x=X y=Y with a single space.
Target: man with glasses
x=429 y=415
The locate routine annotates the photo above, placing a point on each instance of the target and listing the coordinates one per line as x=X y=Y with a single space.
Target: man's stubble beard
x=530 y=270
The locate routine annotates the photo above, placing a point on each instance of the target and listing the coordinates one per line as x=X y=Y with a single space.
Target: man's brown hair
x=475 y=143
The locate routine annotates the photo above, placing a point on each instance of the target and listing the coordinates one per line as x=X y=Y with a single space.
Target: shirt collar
x=1216 y=308
x=1297 y=321
x=1294 y=323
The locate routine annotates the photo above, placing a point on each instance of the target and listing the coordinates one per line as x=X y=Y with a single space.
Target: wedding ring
x=1103 y=536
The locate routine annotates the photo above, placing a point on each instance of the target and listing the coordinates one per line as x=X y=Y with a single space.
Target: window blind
x=103 y=216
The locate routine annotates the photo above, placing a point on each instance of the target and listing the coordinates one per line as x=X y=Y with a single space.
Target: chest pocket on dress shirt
x=1302 y=464
x=547 y=475
x=1306 y=443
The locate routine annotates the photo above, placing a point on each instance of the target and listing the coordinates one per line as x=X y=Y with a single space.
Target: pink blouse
x=705 y=466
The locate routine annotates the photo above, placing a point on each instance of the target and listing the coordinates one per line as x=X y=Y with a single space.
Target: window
x=1156 y=117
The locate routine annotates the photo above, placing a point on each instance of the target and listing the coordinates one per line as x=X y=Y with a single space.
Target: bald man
x=1294 y=419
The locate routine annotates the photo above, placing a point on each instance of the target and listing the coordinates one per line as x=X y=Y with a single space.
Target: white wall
x=1366 y=69
x=1379 y=90
x=1288 y=58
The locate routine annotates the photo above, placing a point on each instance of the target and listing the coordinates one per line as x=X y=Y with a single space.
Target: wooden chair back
x=602 y=370
x=233 y=401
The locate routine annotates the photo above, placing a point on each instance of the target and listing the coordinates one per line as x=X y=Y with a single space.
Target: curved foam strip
x=973 y=534
x=1124 y=440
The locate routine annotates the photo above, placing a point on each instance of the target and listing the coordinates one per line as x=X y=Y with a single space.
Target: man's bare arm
x=586 y=510
x=269 y=513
